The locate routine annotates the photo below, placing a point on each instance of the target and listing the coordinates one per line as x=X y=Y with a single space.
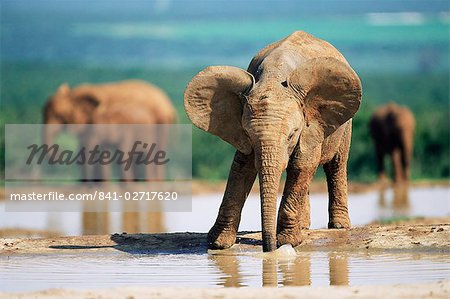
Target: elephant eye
x=284 y=83
x=292 y=134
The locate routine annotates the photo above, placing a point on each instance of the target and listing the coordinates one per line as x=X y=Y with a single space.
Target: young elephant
x=293 y=110
x=392 y=129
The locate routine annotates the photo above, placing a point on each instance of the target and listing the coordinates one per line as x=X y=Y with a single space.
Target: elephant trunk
x=269 y=180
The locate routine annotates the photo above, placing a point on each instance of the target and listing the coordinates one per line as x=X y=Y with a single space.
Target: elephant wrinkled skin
x=291 y=110
x=392 y=129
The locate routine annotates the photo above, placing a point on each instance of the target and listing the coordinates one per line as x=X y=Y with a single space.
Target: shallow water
x=243 y=269
x=364 y=208
x=35 y=272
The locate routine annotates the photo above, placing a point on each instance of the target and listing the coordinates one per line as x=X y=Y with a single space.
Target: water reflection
x=99 y=223
x=269 y=272
x=297 y=272
x=138 y=222
x=96 y=223
x=338 y=265
x=285 y=271
x=399 y=205
x=401 y=199
x=228 y=265
x=244 y=269
x=364 y=208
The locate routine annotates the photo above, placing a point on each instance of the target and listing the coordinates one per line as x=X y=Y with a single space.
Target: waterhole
x=104 y=270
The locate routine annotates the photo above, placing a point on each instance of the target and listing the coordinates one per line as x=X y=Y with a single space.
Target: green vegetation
x=25 y=88
x=396 y=219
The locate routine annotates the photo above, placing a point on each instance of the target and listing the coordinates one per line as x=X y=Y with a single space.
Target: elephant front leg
x=336 y=172
x=240 y=181
x=294 y=212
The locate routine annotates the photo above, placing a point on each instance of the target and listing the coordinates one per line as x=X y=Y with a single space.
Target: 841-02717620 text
x=138 y=195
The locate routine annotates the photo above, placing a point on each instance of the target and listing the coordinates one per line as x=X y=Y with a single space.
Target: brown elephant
x=125 y=102
x=291 y=110
x=392 y=129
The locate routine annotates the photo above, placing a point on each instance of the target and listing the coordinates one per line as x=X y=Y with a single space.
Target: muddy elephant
x=125 y=102
x=290 y=110
x=392 y=129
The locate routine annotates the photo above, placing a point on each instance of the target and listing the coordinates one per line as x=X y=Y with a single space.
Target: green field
x=25 y=88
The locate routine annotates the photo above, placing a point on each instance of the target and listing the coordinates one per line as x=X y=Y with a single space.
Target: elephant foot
x=339 y=224
x=221 y=238
x=289 y=236
x=304 y=224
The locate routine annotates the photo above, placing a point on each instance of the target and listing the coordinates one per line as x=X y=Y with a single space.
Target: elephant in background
x=291 y=110
x=125 y=102
x=392 y=129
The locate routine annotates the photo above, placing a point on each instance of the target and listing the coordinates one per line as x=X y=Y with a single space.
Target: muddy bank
x=27 y=233
x=434 y=237
x=429 y=290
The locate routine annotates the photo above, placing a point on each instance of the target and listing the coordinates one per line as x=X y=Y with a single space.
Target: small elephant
x=125 y=102
x=392 y=129
x=291 y=110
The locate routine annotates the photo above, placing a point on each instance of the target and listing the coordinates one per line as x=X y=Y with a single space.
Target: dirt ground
x=375 y=237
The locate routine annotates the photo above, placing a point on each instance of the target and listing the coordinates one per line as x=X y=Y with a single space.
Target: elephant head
x=273 y=116
x=69 y=106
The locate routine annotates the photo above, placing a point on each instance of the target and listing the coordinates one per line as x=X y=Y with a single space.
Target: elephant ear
x=330 y=92
x=63 y=89
x=213 y=102
x=86 y=104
